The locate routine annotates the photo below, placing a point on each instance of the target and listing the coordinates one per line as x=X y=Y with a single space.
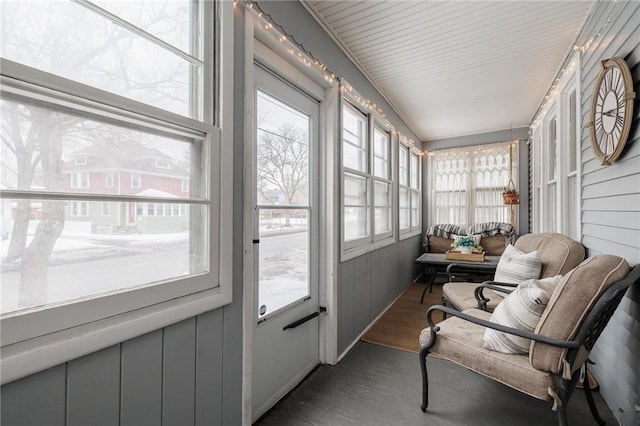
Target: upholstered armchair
x=559 y=255
x=578 y=309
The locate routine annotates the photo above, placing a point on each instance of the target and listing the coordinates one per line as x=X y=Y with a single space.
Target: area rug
x=399 y=326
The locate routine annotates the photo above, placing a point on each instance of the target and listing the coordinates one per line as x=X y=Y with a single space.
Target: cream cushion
x=461 y=342
x=521 y=310
x=570 y=302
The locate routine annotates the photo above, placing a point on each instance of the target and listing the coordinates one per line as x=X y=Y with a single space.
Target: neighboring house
x=138 y=171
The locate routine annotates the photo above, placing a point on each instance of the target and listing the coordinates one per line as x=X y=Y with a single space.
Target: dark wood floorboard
x=375 y=385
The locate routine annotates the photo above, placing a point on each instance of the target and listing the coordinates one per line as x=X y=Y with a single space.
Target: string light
x=304 y=56
x=553 y=90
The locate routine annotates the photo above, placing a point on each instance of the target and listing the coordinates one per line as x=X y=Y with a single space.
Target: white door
x=286 y=323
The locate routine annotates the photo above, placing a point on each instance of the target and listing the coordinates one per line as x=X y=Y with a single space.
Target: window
x=79 y=180
x=85 y=70
x=368 y=186
x=467 y=183
x=135 y=180
x=79 y=208
x=163 y=164
x=108 y=180
x=184 y=185
x=382 y=182
x=409 y=192
x=555 y=161
x=80 y=161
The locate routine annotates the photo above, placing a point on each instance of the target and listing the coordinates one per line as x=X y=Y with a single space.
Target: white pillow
x=521 y=309
x=516 y=266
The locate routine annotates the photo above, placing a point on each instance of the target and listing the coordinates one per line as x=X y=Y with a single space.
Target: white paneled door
x=286 y=311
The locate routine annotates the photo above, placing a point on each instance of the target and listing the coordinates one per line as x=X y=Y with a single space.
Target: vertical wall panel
x=141 y=388
x=611 y=206
x=178 y=372
x=369 y=283
x=209 y=368
x=362 y=294
x=93 y=389
x=35 y=400
x=346 y=283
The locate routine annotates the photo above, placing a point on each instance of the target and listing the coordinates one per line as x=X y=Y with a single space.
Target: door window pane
x=283 y=143
x=284 y=267
x=282 y=153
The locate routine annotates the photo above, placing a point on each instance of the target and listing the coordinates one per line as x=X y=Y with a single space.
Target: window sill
x=31 y=356
x=353 y=252
x=408 y=234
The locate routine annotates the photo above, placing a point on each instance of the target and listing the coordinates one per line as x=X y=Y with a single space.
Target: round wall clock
x=611 y=110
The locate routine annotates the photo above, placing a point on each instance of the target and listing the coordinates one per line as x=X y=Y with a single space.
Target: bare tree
x=283 y=158
x=35 y=135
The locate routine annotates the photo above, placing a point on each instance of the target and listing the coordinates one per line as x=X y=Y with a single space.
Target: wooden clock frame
x=623 y=109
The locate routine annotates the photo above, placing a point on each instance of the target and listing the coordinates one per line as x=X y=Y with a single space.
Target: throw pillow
x=516 y=266
x=522 y=310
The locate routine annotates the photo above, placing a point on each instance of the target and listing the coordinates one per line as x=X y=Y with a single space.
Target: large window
x=409 y=192
x=368 y=187
x=555 y=161
x=126 y=86
x=467 y=183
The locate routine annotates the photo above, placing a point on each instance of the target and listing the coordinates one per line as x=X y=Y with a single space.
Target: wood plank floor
x=375 y=385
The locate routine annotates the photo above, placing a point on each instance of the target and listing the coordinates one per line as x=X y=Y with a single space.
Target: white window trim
x=470 y=185
x=557 y=107
x=413 y=229
x=21 y=357
x=389 y=180
x=354 y=248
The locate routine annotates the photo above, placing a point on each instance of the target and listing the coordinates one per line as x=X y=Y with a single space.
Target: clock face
x=611 y=110
x=610 y=113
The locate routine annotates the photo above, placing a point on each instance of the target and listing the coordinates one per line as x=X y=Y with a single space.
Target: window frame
x=415 y=227
x=468 y=201
x=357 y=247
x=551 y=212
x=36 y=339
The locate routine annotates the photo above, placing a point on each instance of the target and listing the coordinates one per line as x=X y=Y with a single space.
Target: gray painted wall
x=190 y=373
x=521 y=133
x=369 y=283
x=611 y=206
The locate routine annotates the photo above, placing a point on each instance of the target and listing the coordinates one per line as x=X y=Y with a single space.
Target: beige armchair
x=579 y=308
x=559 y=255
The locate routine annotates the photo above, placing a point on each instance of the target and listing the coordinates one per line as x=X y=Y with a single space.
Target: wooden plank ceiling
x=453 y=68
